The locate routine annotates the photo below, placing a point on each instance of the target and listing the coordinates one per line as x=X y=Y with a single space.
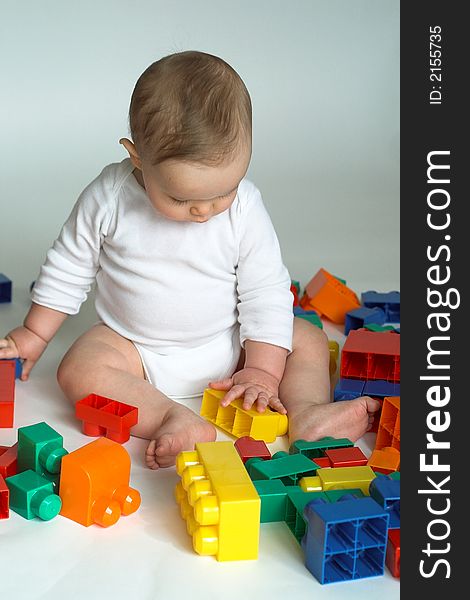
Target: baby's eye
x=175 y=201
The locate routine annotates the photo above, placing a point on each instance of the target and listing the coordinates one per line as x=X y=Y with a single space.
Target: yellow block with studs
x=218 y=501
x=238 y=421
x=339 y=478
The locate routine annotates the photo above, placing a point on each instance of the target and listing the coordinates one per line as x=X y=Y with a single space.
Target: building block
x=323 y=462
x=32 y=495
x=94 y=484
x=40 y=448
x=336 y=495
x=5 y=288
x=296 y=285
x=334 y=354
x=361 y=317
x=346 y=457
x=8 y=460
x=379 y=328
x=389 y=302
x=4 y=499
x=388 y=434
x=240 y=422
x=7 y=392
x=297 y=500
x=385 y=460
x=18 y=365
x=102 y=416
x=289 y=468
x=316 y=449
x=380 y=389
x=369 y=355
x=247 y=448
x=329 y=296
x=309 y=315
x=339 y=478
x=346 y=540
x=218 y=501
x=348 y=389
x=295 y=293
x=273 y=496
x=392 y=556
x=386 y=492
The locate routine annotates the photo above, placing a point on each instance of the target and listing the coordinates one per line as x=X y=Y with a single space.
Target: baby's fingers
x=234 y=393
x=8 y=351
x=250 y=397
x=27 y=366
x=277 y=405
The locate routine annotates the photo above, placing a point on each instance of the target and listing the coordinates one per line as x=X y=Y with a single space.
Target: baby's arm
x=31 y=339
x=264 y=310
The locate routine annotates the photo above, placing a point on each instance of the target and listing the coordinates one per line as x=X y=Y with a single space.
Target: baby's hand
x=23 y=343
x=255 y=385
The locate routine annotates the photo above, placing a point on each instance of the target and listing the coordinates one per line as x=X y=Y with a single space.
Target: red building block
x=102 y=416
x=4 y=499
x=7 y=392
x=392 y=557
x=323 y=462
x=247 y=447
x=293 y=289
x=8 y=460
x=371 y=355
x=346 y=457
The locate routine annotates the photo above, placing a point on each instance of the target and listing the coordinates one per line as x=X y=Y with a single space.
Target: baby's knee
x=310 y=339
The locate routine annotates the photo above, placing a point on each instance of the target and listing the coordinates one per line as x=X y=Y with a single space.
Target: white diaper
x=185 y=374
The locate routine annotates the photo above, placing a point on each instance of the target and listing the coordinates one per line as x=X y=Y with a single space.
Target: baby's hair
x=191 y=106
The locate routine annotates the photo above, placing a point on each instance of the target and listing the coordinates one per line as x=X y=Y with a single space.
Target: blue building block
x=381 y=389
x=348 y=389
x=18 y=366
x=386 y=492
x=5 y=288
x=357 y=318
x=346 y=540
x=389 y=302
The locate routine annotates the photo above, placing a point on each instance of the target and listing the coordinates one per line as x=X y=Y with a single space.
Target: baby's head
x=190 y=121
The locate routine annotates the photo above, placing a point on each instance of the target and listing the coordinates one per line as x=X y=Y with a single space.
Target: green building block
x=311 y=318
x=379 y=328
x=316 y=449
x=273 y=494
x=297 y=500
x=393 y=475
x=33 y=496
x=40 y=448
x=289 y=468
x=343 y=281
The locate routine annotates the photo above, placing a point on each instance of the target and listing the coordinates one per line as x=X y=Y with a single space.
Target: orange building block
x=388 y=433
x=385 y=461
x=328 y=296
x=94 y=484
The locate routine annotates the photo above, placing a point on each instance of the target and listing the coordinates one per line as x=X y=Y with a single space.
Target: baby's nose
x=201 y=209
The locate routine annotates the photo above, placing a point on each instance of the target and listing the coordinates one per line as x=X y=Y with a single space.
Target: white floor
x=148 y=554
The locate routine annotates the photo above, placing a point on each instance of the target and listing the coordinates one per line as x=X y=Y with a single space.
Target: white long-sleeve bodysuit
x=186 y=294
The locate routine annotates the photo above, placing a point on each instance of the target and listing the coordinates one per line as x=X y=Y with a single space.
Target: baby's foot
x=181 y=428
x=348 y=419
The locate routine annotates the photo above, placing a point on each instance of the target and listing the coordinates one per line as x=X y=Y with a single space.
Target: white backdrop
x=324 y=81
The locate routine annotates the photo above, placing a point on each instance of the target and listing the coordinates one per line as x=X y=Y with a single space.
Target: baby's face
x=188 y=191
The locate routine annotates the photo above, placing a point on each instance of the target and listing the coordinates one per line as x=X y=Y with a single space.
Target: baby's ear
x=129 y=146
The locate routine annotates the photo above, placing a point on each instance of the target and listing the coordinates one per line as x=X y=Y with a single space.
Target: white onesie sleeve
x=263 y=282
x=73 y=261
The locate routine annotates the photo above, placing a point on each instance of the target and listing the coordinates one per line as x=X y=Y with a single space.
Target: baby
x=191 y=289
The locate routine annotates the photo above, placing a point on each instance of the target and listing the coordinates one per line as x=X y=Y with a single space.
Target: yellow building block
x=237 y=421
x=334 y=353
x=218 y=501
x=339 y=478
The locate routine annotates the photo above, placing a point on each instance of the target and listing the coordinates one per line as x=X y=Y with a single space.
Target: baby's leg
x=105 y=363
x=305 y=392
